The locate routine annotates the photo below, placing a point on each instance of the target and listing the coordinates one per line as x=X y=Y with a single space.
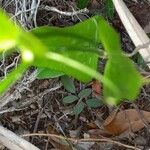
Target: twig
x=136 y=50
x=15 y=95
x=74 y=13
x=14 y=142
x=83 y=140
x=134 y=30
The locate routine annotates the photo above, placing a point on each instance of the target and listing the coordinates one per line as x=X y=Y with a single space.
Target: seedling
x=80 y=100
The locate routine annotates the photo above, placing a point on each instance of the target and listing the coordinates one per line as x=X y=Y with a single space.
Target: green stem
x=12 y=77
x=85 y=69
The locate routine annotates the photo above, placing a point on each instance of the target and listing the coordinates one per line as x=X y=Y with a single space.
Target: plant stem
x=12 y=77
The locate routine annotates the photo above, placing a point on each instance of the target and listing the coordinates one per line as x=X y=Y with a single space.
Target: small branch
x=134 y=30
x=136 y=50
x=14 y=142
x=83 y=140
x=74 y=13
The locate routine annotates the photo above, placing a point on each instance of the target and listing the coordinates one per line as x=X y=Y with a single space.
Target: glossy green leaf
x=78 y=108
x=68 y=84
x=119 y=69
x=45 y=73
x=85 y=93
x=83 y=3
x=70 y=99
x=93 y=103
x=79 y=42
x=9 y=33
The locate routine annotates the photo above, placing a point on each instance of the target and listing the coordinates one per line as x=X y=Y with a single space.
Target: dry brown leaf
x=91 y=125
x=98 y=133
x=96 y=87
x=126 y=121
x=59 y=144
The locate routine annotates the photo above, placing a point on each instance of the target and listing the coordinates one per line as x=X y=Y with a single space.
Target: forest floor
x=37 y=107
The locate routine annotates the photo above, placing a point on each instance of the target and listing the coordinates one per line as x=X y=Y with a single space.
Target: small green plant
x=82 y=100
x=72 y=51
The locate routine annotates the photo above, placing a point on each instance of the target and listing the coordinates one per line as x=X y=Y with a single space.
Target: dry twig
x=83 y=140
x=14 y=142
x=135 y=31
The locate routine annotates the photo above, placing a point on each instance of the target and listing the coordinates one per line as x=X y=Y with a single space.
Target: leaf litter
x=115 y=124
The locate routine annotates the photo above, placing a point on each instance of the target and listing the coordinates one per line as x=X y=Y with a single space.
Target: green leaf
x=78 y=108
x=85 y=93
x=122 y=72
x=70 y=99
x=119 y=69
x=9 y=33
x=65 y=61
x=83 y=37
x=68 y=84
x=83 y=3
x=79 y=42
x=94 y=103
x=45 y=73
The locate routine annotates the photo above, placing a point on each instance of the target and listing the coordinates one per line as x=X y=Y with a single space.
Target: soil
x=39 y=107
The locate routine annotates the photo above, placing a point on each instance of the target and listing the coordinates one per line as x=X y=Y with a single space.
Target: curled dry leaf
x=125 y=121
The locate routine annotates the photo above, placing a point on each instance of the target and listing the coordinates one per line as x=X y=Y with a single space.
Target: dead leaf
x=59 y=144
x=91 y=125
x=96 y=87
x=126 y=121
x=98 y=133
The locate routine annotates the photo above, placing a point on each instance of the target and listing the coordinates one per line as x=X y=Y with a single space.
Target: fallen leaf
x=96 y=87
x=91 y=125
x=126 y=121
x=59 y=144
x=98 y=133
